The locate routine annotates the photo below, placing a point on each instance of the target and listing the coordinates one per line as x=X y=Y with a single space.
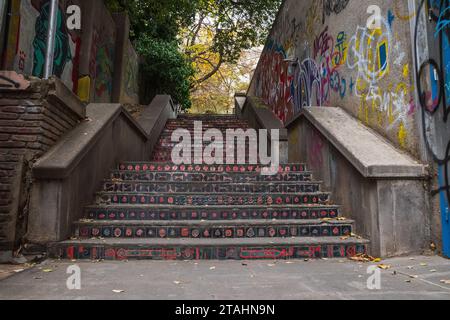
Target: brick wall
x=31 y=122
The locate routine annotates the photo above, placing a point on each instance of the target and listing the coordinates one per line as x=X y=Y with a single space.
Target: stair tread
x=239 y=222
x=224 y=194
x=271 y=183
x=213 y=207
x=216 y=242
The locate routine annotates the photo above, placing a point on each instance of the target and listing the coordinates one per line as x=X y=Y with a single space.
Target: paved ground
x=408 y=278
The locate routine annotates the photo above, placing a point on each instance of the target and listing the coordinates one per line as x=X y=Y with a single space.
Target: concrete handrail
x=260 y=116
x=372 y=155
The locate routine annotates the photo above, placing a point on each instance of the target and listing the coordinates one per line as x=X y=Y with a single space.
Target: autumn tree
x=231 y=26
x=170 y=35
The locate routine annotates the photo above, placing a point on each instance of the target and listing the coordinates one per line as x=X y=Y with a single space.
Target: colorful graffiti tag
x=62 y=47
x=353 y=65
x=433 y=85
x=27 y=42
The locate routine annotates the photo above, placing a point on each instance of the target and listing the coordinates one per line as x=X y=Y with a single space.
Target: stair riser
x=210 y=188
x=228 y=232
x=210 y=177
x=211 y=200
x=211 y=214
x=165 y=167
x=80 y=252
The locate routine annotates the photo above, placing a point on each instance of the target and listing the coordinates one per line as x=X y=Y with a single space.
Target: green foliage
x=160 y=19
x=164 y=70
x=160 y=28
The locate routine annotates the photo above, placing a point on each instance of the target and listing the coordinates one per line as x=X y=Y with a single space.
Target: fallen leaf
x=384 y=266
x=47 y=270
x=424 y=264
x=177 y=282
x=376 y=260
x=413 y=276
x=364 y=258
x=18 y=270
x=433 y=270
x=118 y=291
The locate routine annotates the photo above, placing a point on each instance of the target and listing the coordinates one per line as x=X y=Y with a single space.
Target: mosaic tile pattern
x=80 y=252
x=231 y=213
x=211 y=200
x=197 y=232
x=210 y=187
x=161 y=167
x=208 y=177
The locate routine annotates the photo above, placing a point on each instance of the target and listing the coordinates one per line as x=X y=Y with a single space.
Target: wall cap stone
x=367 y=151
x=60 y=160
x=58 y=91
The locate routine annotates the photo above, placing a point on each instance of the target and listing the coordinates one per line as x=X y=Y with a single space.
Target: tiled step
x=213 y=229
x=213 y=117
x=211 y=187
x=320 y=198
x=167 y=167
x=157 y=212
x=166 y=155
x=209 y=249
x=231 y=177
x=205 y=126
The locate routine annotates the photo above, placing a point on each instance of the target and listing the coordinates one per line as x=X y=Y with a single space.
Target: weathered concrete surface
x=255 y=280
x=261 y=117
x=383 y=190
x=372 y=155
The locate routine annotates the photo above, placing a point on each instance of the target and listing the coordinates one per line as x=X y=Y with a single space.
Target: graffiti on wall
x=29 y=53
x=344 y=66
x=433 y=86
x=101 y=64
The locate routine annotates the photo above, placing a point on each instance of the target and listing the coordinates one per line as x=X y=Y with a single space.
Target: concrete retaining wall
x=392 y=77
x=89 y=61
x=339 y=62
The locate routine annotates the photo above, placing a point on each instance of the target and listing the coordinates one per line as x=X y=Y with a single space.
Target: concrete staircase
x=158 y=210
